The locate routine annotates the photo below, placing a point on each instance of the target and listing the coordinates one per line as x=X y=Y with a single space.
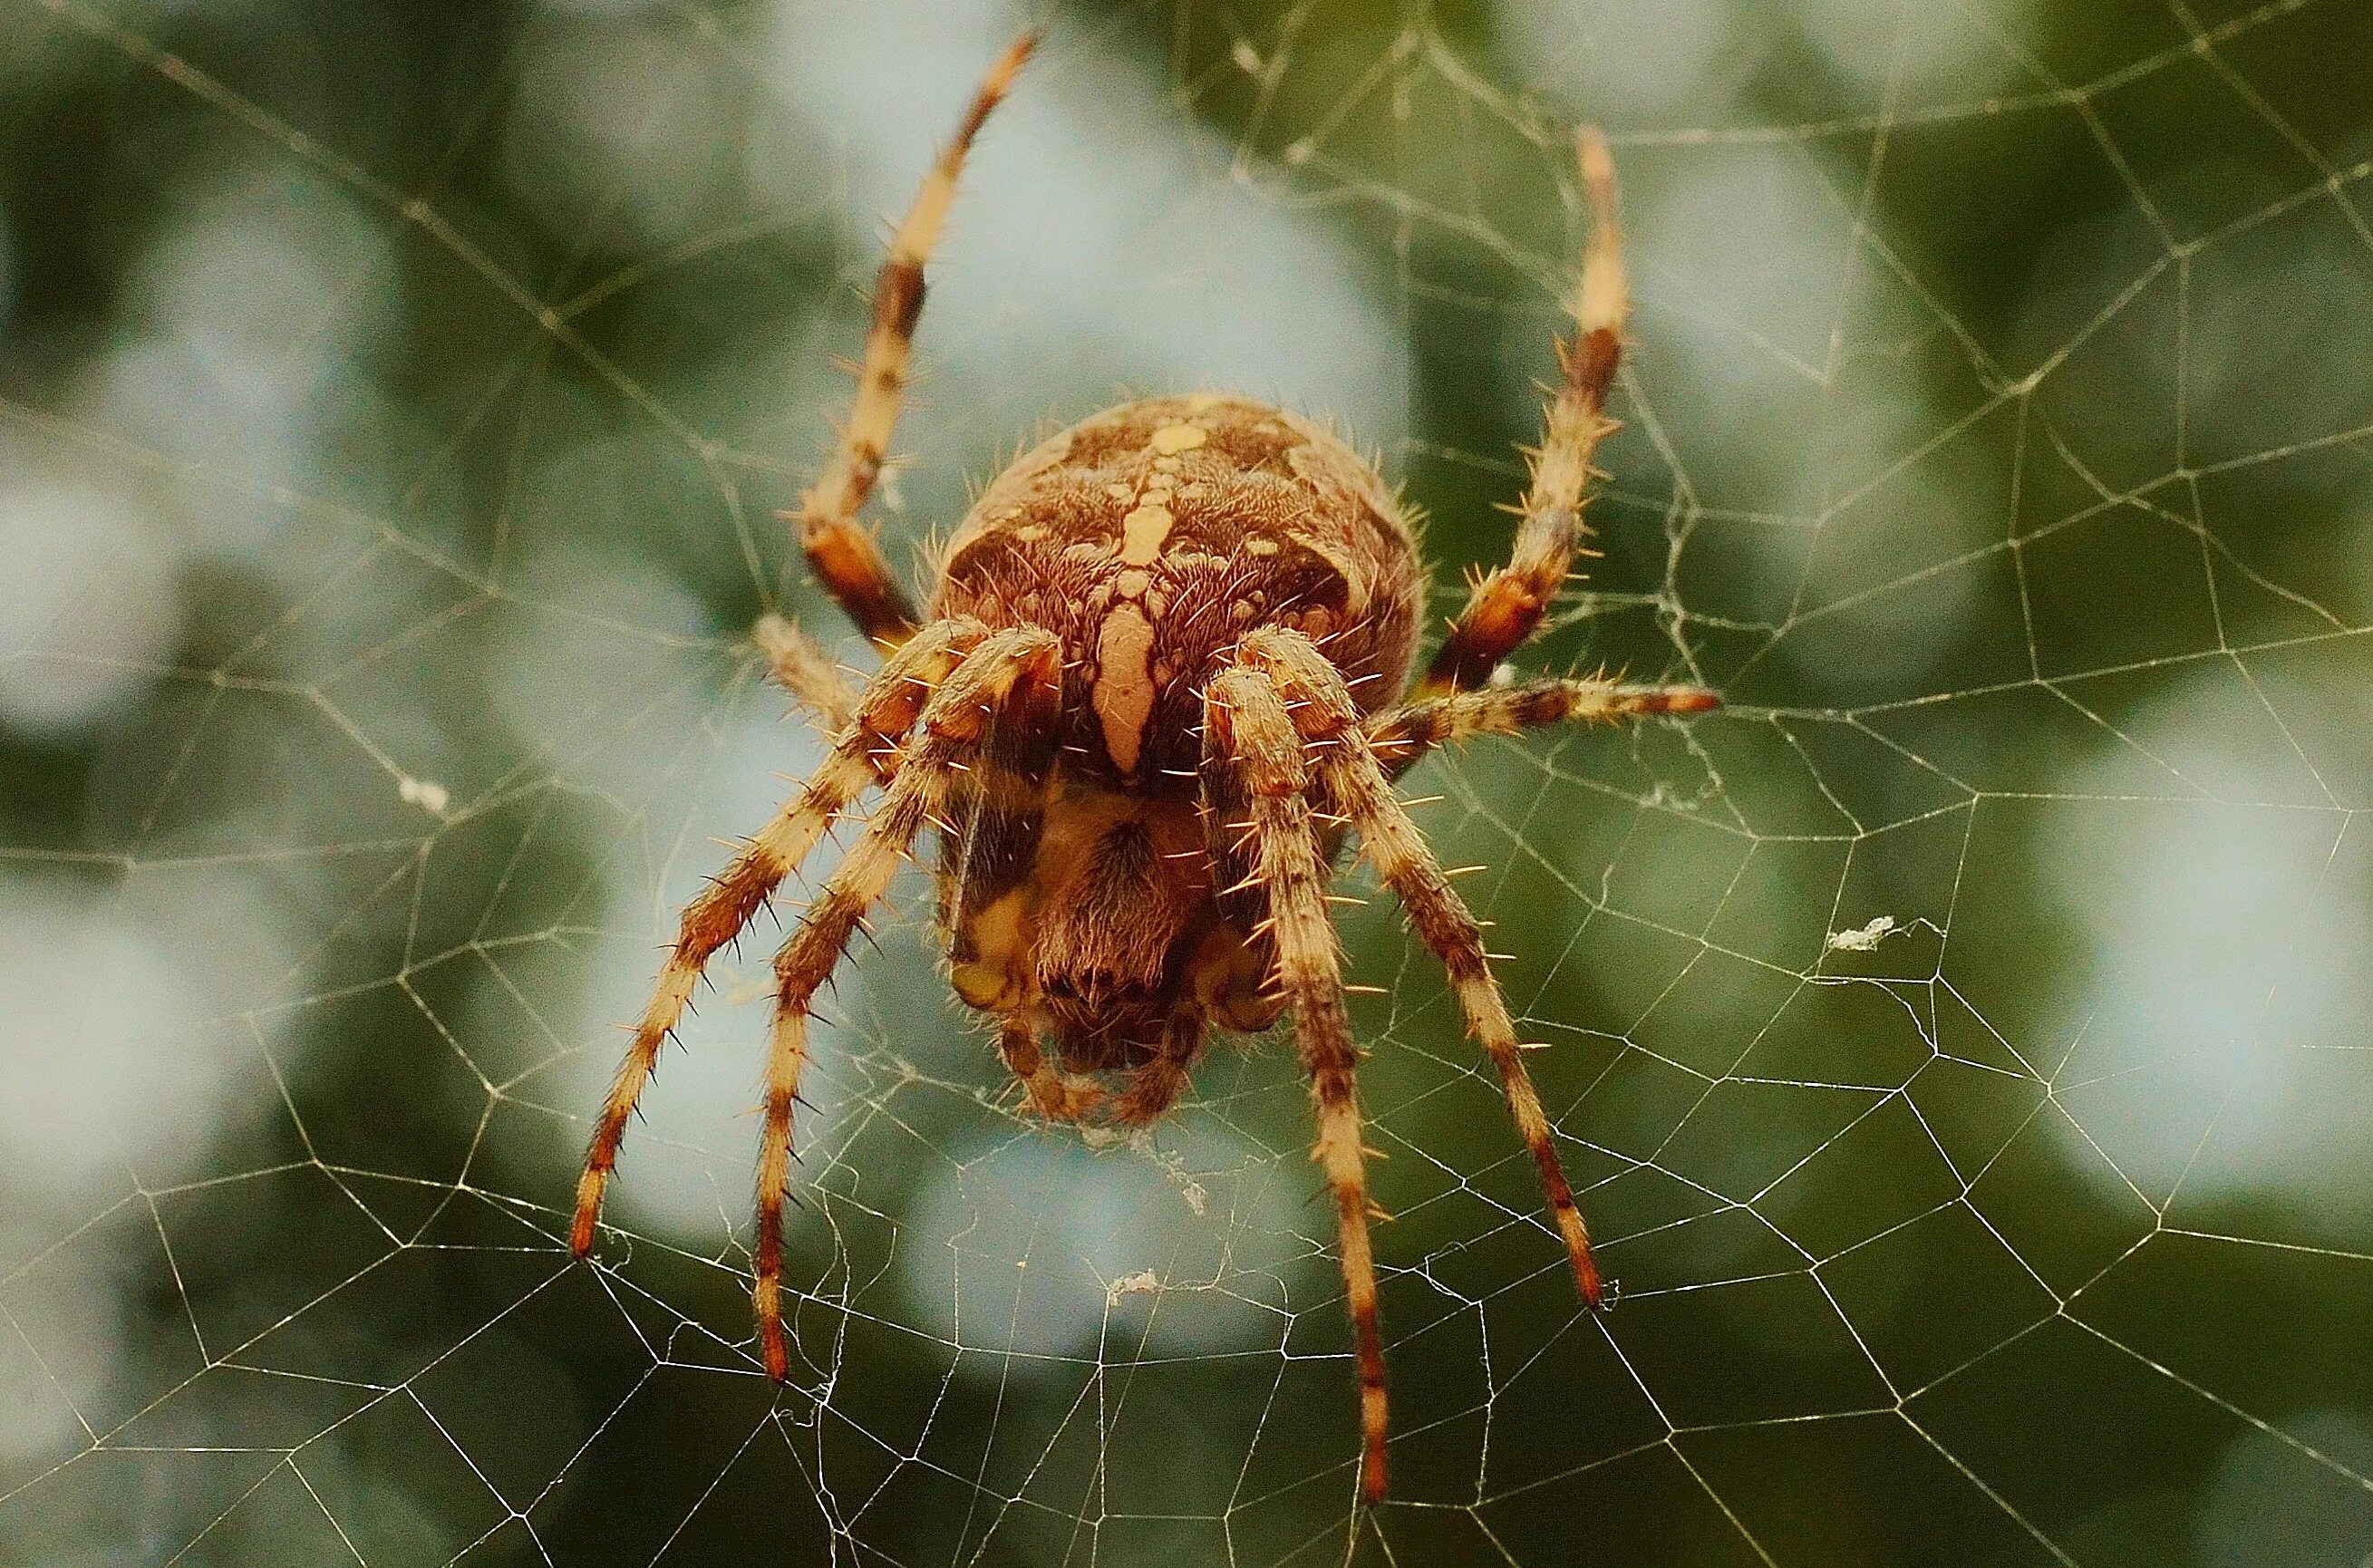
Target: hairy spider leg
x=1401 y=736
x=1250 y=734
x=998 y=808
x=1353 y=781
x=866 y=753
x=1011 y=677
x=1506 y=606
x=842 y=552
x=1155 y=1084
x=800 y=665
x=1052 y=1094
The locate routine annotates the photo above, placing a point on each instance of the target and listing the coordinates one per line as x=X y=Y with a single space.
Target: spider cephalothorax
x=1161 y=671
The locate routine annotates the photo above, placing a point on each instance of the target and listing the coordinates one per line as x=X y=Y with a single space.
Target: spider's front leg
x=1011 y=679
x=1506 y=607
x=1399 y=736
x=842 y=554
x=1256 y=782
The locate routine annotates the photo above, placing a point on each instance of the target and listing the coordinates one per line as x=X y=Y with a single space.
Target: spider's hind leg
x=843 y=555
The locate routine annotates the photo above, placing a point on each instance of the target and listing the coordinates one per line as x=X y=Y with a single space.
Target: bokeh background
x=1961 y=1041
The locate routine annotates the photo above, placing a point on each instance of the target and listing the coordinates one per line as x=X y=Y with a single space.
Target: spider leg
x=800 y=666
x=1022 y=669
x=864 y=754
x=999 y=804
x=1350 y=777
x=1399 y=736
x=843 y=555
x=1052 y=1094
x=1507 y=606
x=1155 y=1084
x=1250 y=739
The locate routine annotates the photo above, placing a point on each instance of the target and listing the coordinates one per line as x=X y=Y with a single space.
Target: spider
x=1164 y=668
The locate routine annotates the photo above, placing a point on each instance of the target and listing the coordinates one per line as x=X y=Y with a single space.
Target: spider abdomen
x=1152 y=537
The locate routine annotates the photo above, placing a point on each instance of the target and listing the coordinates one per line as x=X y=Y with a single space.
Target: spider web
x=1958 y=1043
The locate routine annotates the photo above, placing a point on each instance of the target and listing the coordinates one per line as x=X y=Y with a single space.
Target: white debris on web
x=1144 y=1282
x=427 y=794
x=1863 y=939
x=1192 y=1191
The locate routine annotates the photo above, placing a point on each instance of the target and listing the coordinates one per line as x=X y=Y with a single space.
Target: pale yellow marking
x=1030 y=533
x=1178 y=439
x=1165 y=465
x=1141 y=533
x=1202 y=403
x=1123 y=693
x=1132 y=584
x=1000 y=936
x=980 y=984
x=1260 y=546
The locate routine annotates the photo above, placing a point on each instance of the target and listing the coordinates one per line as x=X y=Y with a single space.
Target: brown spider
x=1162 y=671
